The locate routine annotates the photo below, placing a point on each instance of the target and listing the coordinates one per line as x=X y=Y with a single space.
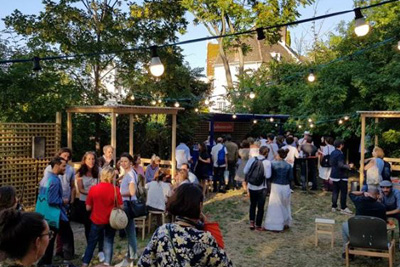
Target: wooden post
x=362 y=150
x=58 y=129
x=173 y=144
x=131 y=121
x=69 y=130
x=376 y=136
x=114 y=134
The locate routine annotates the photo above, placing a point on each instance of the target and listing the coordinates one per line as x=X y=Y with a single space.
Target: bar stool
x=155 y=213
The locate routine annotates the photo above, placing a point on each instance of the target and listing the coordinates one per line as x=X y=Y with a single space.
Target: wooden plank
x=173 y=146
x=131 y=125
x=376 y=136
x=69 y=130
x=114 y=134
x=362 y=150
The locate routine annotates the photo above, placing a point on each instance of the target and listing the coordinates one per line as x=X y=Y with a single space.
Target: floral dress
x=178 y=246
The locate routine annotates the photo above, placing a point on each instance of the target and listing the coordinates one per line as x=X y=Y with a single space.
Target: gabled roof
x=260 y=51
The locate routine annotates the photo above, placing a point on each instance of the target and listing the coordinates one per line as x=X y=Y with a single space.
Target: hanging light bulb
x=159 y=101
x=309 y=120
x=361 y=27
x=311 y=76
x=207 y=101
x=252 y=95
x=271 y=119
x=398 y=45
x=276 y=125
x=340 y=121
x=254 y=121
x=156 y=67
x=176 y=104
x=346 y=118
x=234 y=116
x=132 y=97
x=36 y=64
x=311 y=125
x=260 y=34
x=196 y=110
x=153 y=102
x=244 y=106
x=299 y=126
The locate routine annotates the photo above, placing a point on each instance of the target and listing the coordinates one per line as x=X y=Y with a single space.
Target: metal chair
x=368 y=237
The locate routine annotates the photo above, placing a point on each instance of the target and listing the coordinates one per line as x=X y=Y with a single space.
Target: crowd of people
x=260 y=167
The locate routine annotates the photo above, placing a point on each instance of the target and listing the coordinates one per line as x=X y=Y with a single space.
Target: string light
x=361 y=26
x=311 y=125
x=398 y=45
x=346 y=118
x=36 y=64
x=299 y=126
x=132 y=97
x=196 y=110
x=311 y=76
x=340 y=121
x=234 y=116
x=260 y=34
x=156 y=67
x=271 y=119
x=153 y=102
x=309 y=120
x=176 y=104
x=252 y=95
x=206 y=101
x=255 y=121
x=276 y=125
x=159 y=101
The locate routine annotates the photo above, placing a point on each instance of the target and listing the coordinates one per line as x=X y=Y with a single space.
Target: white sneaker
x=333 y=209
x=101 y=256
x=346 y=211
x=123 y=263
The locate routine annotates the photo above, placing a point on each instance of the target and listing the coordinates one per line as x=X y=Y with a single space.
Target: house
x=260 y=52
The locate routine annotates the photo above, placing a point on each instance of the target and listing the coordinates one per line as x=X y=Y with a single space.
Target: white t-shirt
x=182 y=155
x=193 y=178
x=157 y=195
x=214 y=154
x=273 y=149
x=129 y=178
x=292 y=154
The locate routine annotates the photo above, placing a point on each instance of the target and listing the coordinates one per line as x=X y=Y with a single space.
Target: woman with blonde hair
x=152 y=168
x=100 y=201
x=374 y=167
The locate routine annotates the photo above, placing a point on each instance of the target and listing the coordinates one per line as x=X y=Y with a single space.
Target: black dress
x=202 y=168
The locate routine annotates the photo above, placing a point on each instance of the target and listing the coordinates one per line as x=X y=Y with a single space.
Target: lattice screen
x=17 y=167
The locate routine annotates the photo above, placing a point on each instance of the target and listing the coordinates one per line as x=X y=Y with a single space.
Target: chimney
x=283 y=34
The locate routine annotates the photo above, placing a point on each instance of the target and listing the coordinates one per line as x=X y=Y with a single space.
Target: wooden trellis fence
x=17 y=167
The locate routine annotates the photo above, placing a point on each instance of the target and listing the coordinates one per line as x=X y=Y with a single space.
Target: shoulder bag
x=325 y=160
x=118 y=218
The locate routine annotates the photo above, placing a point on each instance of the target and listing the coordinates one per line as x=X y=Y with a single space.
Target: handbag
x=51 y=213
x=118 y=218
x=325 y=160
x=137 y=208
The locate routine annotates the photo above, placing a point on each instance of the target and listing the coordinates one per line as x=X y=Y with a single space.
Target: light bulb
x=276 y=125
x=311 y=125
x=340 y=121
x=196 y=110
x=206 y=101
x=159 y=101
x=309 y=120
x=156 y=67
x=252 y=95
x=311 y=76
x=271 y=119
x=361 y=27
x=132 y=97
x=176 y=104
x=234 y=116
x=398 y=45
x=153 y=102
x=346 y=118
x=299 y=126
x=255 y=121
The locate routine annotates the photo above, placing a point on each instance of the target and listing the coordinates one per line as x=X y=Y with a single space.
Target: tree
x=233 y=16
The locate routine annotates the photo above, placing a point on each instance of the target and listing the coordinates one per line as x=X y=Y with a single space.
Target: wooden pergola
x=376 y=115
x=125 y=110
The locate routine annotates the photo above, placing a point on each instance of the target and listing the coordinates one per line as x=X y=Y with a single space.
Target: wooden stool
x=140 y=222
x=326 y=227
x=155 y=213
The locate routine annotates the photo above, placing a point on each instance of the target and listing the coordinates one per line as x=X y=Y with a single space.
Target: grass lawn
x=294 y=247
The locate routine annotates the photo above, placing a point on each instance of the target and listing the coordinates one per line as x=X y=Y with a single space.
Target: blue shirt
x=392 y=201
x=282 y=172
x=54 y=193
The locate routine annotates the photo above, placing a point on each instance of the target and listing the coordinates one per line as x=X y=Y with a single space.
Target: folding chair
x=369 y=237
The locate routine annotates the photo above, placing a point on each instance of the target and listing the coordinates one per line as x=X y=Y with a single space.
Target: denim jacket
x=282 y=172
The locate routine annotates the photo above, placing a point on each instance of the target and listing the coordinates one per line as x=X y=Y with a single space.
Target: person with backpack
x=257 y=171
x=220 y=162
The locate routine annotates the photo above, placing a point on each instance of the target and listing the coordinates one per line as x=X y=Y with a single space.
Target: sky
x=196 y=53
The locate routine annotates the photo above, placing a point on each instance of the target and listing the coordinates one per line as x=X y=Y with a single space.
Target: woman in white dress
x=279 y=215
x=325 y=172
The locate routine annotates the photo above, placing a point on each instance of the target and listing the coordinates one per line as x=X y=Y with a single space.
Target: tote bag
x=50 y=213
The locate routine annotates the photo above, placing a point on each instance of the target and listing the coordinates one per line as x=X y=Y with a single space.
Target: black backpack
x=386 y=171
x=255 y=176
